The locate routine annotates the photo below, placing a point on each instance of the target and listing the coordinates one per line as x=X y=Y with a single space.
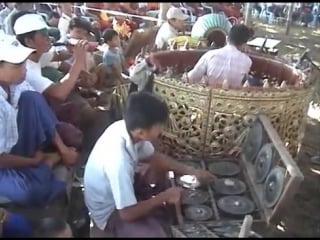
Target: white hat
x=12 y=51
x=29 y=23
x=176 y=13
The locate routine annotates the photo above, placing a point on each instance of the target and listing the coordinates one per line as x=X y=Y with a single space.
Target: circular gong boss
x=236 y=205
x=198 y=212
x=224 y=168
x=273 y=186
x=229 y=186
x=194 y=197
x=263 y=162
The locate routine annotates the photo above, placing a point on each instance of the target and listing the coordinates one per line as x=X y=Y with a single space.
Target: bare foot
x=51 y=159
x=69 y=156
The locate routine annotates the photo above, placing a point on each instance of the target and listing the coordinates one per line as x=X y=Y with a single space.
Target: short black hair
x=144 y=110
x=21 y=37
x=109 y=34
x=50 y=227
x=239 y=34
x=80 y=22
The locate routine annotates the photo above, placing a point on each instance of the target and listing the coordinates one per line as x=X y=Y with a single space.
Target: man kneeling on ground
x=116 y=197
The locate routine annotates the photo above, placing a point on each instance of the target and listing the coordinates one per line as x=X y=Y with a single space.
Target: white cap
x=29 y=23
x=12 y=51
x=176 y=13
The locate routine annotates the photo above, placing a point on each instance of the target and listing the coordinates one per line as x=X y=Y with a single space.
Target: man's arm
x=164 y=163
x=121 y=183
x=62 y=89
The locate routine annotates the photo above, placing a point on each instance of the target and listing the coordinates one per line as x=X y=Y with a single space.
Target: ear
x=29 y=42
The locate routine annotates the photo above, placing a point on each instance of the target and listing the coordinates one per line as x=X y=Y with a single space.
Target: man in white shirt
x=27 y=125
x=116 y=199
x=64 y=21
x=225 y=64
x=171 y=28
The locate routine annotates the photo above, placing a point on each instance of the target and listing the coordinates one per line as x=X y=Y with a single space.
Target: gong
x=224 y=168
x=263 y=162
x=236 y=205
x=194 y=197
x=198 y=212
x=273 y=186
x=254 y=141
x=229 y=186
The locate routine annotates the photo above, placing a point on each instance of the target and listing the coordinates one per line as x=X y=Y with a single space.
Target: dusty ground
x=302 y=218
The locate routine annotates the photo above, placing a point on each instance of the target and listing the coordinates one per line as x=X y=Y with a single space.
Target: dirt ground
x=301 y=218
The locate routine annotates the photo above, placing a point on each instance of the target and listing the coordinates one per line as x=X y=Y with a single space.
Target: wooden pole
x=289 y=18
x=247 y=16
x=163 y=9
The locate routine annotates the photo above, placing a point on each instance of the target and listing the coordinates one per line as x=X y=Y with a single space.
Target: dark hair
x=50 y=227
x=80 y=22
x=21 y=38
x=109 y=34
x=144 y=110
x=239 y=34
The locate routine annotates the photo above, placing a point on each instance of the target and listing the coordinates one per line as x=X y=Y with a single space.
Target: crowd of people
x=45 y=120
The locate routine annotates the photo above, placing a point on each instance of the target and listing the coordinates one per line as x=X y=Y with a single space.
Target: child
x=112 y=56
x=109 y=179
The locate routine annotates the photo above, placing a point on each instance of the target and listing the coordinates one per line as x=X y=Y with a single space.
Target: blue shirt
x=112 y=56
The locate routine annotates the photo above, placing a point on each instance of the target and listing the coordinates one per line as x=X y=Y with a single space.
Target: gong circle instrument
x=195 y=197
x=236 y=205
x=198 y=212
x=273 y=186
x=263 y=162
x=254 y=141
x=224 y=168
x=229 y=186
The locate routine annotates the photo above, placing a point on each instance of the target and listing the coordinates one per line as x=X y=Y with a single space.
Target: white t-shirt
x=63 y=26
x=34 y=76
x=109 y=173
x=165 y=32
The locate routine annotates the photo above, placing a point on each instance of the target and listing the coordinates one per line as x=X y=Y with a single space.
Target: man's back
x=227 y=63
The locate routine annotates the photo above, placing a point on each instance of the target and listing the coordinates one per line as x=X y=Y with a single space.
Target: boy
x=112 y=56
x=110 y=171
x=27 y=128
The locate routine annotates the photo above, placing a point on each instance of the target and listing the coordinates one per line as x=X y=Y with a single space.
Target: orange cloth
x=153 y=5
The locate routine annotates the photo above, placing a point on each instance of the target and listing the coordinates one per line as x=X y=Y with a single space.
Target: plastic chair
x=206 y=6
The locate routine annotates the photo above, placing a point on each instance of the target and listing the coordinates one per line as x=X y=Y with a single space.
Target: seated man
x=110 y=182
x=171 y=28
x=27 y=128
x=227 y=63
x=53 y=228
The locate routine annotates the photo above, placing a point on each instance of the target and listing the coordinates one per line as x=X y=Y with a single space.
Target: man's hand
x=38 y=157
x=87 y=80
x=3 y=215
x=204 y=176
x=172 y=195
x=80 y=51
x=69 y=156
